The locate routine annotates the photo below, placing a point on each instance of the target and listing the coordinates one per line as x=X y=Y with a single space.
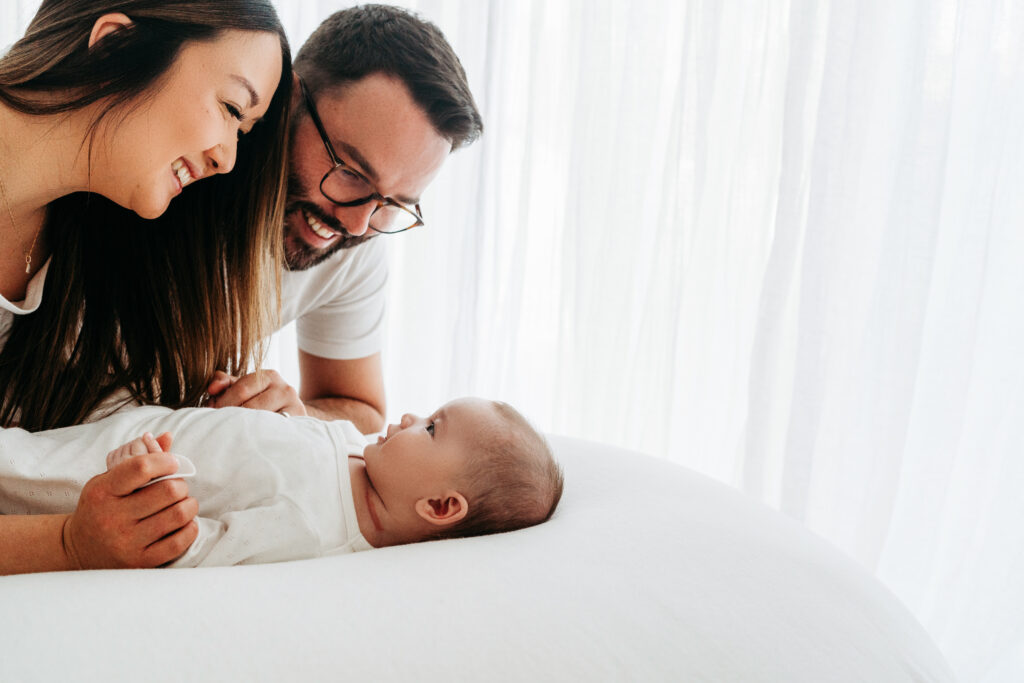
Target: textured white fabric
x=647 y=572
x=339 y=304
x=269 y=488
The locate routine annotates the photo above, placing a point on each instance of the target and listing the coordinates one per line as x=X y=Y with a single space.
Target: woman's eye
x=234 y=111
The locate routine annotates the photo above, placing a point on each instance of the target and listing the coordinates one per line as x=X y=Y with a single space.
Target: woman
x=108 y=111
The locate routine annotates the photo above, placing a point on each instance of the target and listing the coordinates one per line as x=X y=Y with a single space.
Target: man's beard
x=297 y=253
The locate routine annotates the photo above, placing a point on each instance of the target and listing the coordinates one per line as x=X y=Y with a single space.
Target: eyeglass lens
x=342 y=185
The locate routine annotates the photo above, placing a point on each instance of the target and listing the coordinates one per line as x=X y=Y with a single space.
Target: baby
x=274 y=488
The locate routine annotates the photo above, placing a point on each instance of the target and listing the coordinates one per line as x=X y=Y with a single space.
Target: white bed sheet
x=647 y=572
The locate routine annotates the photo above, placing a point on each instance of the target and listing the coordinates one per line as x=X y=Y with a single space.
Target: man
x=380 y=100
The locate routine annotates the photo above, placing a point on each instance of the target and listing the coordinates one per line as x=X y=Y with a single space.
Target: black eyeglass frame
x=338 y=163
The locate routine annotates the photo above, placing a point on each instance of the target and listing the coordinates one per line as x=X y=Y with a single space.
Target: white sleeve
x=348 y=320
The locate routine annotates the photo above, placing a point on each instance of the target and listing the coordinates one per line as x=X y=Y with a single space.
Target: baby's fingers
x=165 y=440
x=118 y=455
x=139 y=445
x=151 y=444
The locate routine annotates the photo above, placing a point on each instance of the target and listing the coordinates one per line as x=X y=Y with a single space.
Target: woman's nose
x=221 y=158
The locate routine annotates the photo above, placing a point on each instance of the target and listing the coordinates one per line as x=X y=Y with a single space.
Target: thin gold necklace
x=10 y=214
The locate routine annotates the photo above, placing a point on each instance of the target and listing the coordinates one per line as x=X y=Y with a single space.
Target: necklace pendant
x=28 y=263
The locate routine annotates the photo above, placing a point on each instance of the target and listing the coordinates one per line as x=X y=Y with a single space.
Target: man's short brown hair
x=357 y=42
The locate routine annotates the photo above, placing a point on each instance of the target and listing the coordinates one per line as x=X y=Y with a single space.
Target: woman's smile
x=184 y=172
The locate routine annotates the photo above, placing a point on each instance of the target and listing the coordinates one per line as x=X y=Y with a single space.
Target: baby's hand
x=140 y=446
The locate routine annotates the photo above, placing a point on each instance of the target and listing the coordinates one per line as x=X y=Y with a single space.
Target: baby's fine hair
x=513 y=480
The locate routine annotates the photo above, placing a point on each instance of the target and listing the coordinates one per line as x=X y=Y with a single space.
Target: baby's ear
x=444 y=510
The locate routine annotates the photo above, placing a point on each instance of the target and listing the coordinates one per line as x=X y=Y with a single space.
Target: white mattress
x=648 y=571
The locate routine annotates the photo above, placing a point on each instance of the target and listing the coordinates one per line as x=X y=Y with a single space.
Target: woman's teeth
x=180 y=169
x=319 y=228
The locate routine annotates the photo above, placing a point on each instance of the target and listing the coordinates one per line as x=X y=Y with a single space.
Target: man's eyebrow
x=368 y=170
x=254 y=98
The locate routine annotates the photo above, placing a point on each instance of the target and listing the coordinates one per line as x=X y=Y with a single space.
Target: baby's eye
x=430 y=429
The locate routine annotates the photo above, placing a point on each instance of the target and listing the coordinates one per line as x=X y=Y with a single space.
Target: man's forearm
x=365 y=417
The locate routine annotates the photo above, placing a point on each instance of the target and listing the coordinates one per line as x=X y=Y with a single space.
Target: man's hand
x=119 y=524
x=264 y=390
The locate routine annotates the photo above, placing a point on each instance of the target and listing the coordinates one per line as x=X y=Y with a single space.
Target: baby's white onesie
x=270 y=488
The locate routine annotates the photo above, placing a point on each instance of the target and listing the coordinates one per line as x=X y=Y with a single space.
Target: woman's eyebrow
x=254 y=97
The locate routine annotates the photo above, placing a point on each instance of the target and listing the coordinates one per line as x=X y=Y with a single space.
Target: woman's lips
x=183 y=173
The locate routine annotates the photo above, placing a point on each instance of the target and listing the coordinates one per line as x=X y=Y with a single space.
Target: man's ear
x=443 y=511
x=106 y=25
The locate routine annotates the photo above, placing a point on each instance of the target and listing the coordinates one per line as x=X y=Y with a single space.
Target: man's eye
x=351 y=178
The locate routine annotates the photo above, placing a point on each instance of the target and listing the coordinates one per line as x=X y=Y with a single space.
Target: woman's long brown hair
x=151 y=306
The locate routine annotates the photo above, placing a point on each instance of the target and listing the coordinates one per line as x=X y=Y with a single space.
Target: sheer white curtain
x=777 y=242
x=781 y=243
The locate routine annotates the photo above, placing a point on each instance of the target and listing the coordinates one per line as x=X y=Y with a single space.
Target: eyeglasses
x=344 y=186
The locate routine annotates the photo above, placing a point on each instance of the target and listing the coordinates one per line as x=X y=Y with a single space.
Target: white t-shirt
x=339 y=304
x=33 y=295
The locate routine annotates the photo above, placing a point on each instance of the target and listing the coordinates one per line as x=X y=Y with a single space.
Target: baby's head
x=474 y=467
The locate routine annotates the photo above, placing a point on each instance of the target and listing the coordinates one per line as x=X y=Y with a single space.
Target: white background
x=778 y=242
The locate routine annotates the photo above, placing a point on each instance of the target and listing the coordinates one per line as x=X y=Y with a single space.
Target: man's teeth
x=319 y=228
x=181 y=170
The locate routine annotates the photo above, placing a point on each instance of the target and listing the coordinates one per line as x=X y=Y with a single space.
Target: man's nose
x=355 y=219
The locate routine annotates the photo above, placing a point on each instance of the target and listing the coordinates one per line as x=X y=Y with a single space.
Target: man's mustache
x=313 y=210
x=345 y=240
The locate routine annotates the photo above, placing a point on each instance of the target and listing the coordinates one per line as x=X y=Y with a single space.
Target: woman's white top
x=33 y=295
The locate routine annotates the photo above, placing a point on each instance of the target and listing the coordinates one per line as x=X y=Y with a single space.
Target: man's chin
x=298 y=255
x=304 y=259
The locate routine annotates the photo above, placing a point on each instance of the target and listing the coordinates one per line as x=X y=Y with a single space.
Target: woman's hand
x=265 y=390
x=120 y=524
